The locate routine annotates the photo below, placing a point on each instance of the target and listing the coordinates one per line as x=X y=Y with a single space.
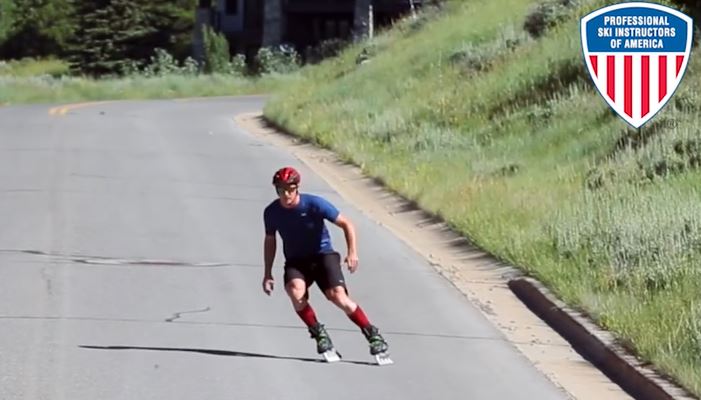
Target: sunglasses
x=288 y=189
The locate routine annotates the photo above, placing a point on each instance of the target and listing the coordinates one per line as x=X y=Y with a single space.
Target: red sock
x=359 y=318
x=308 y=316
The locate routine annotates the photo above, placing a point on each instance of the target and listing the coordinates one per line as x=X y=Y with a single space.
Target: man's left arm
x=349 y=231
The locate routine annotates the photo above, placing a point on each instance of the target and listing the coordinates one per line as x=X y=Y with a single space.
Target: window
x=231 y=7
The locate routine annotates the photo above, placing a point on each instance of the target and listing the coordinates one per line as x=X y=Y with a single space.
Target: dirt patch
x=482 y=279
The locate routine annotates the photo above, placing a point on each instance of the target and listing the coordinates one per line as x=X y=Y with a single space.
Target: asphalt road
x=131 y=262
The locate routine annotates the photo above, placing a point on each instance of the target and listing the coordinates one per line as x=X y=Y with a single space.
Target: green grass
x=30 y=67
x=505 y=137
x=48 y=81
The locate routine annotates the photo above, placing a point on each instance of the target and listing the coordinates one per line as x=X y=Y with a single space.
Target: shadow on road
x=221 y=353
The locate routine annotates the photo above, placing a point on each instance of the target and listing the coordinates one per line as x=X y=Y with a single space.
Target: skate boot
x=324 y=346
x=378 y=345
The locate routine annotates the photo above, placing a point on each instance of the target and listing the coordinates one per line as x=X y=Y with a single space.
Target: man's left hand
x=352 y=261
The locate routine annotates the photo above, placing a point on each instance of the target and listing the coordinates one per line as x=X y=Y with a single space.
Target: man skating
x=310 y=257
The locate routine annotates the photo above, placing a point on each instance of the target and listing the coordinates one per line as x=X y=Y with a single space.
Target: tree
x=692 y=7
x=35 y=28
x=112 y=34
x=216 y=51
x=171 y=23
x=108 y=35
x=7 y=11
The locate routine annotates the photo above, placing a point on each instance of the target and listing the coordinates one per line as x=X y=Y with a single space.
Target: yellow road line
x=64 y=109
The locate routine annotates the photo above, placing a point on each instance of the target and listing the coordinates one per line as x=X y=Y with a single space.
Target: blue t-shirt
x=302 y=228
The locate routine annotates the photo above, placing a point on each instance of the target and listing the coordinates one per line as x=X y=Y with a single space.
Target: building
x=250 y=24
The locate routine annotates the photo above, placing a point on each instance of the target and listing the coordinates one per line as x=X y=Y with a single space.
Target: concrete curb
x=597 y=346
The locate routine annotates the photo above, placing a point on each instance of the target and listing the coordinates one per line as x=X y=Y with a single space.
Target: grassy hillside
x=504 y=136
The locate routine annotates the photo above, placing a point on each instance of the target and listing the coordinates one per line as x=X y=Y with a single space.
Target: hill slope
x=503 y=135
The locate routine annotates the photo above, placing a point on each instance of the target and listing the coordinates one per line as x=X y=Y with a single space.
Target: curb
x=597 y=346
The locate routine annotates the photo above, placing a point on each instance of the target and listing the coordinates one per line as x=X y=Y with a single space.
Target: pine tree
x=172 y=23
x=108 y=33
x=7 y=13
x=34 y=28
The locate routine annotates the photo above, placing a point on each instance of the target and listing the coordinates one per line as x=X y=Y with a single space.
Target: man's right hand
x=268 y=284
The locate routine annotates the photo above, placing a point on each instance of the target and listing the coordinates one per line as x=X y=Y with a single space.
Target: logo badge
x=636 y=54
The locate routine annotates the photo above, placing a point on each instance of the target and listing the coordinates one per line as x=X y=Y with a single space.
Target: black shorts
x=324 y=269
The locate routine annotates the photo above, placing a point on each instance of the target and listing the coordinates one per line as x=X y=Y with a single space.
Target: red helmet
x=286 y=175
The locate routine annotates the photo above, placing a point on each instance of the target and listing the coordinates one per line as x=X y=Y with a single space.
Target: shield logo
x=636 y=54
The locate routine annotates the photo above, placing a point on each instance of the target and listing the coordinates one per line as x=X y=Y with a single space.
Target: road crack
x=102 y=260
x=179 y=314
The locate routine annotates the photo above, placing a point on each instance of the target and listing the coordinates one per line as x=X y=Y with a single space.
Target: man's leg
x=296 y=286
x=334 y=287
x=339 y=296
x=330 y=279
x=297 y=291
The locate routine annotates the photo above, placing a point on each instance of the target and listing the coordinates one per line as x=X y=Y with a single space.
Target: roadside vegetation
x=70 y=50
x=49 y=81
x=484 y=114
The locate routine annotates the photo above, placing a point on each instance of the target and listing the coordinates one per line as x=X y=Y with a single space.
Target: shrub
x=279 y=59
x=473 y=58
x=161 y=63
x=216 y=51
x=546 y=15
x=325 y=49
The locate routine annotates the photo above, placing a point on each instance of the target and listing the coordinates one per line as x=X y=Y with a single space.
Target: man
x=310 y=257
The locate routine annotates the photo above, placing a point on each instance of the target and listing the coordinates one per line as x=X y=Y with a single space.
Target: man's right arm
x=269 y=246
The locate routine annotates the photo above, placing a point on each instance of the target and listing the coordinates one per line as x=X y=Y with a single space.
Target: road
x=131 y=262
